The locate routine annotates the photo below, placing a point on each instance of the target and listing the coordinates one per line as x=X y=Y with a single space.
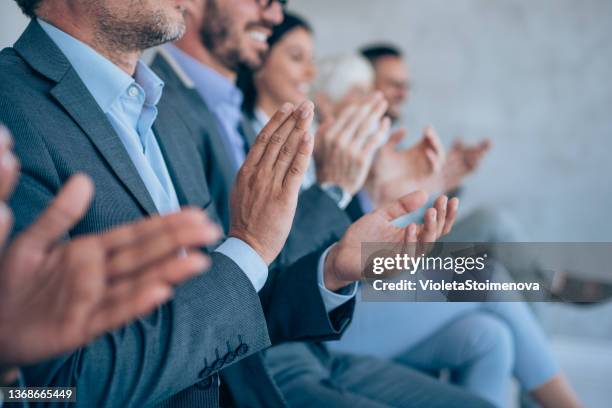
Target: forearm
x=175 y=347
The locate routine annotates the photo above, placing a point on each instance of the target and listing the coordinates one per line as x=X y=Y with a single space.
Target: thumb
x=404 y=205
x=395 y=138
x=68 y=207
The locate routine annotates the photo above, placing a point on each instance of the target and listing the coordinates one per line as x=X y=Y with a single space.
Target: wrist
x=254 y=244
x=330 y=278
x=340 y=195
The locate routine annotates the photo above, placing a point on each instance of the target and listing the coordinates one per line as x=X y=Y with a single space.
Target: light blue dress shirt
x=222 y=97
x=130 y=105
x=225 y=101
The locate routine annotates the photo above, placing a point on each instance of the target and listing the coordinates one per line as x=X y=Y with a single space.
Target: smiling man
x=222 y=37
x=77 y=98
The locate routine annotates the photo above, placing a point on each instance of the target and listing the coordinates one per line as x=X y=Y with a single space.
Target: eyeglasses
x=267 y=3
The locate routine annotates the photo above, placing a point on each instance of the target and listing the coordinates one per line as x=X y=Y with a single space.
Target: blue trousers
x=482 y=344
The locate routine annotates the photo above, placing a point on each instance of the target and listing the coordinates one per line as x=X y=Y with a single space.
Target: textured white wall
x=12 y=23
x=532 y=75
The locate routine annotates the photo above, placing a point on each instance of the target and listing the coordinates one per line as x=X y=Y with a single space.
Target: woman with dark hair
x=287 y=74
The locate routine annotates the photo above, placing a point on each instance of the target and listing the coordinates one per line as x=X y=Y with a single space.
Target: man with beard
x=199 y=71
x=77 y=99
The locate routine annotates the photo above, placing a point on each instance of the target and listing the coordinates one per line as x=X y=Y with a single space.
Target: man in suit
x=77 y=98
x=201 y=68
x=55 y=297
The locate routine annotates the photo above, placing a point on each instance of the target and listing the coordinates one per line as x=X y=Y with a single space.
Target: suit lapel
x=181 y=156
x=44 y=56
x=72 y=94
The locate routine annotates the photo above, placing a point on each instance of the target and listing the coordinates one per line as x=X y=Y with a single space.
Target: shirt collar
x=214 y=88
x=105 y=81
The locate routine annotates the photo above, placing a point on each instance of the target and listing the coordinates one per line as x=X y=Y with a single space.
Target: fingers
x=395 y=139
x=295 y=175
x=431 y=138
x=167 y=242
x=372 y=121
x=475 y=155
x=6 y=223
x=451 y=215
x=284 y=138
x=433 y=160
x=172 y=269
x=140 y=294
x=485 y=145
x=132 y=233
x=404 y=205
x=343 y=119
x=411 y=240
x=359 y=118
x=346 y=133
x=377 y=140
x=9 y=166
x=441 y=208
x=291 y=149
x=261 y=142
x=68 y=207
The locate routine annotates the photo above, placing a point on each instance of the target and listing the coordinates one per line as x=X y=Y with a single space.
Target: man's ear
x=194 y=11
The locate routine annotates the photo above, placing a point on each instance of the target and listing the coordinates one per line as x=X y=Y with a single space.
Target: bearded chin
x=140 y=33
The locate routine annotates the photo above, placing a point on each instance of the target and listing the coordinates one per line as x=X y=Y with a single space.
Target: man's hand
x=397 y=172
x=343 y=263
x=57 y=296
x=265 y=195
x=344 y=148
x=462 y=160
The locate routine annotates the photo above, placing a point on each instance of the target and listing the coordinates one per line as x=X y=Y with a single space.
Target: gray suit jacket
x=216 y=320
x=318 y=220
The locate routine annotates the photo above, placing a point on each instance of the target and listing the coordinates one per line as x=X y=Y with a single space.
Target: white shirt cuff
x=247 y=259
x=333 y=300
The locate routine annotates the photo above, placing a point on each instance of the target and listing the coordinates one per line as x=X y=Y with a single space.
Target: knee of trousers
x=490 y=337
x=501 y=225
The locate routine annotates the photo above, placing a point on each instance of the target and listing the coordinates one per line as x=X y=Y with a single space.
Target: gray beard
x=136 y=34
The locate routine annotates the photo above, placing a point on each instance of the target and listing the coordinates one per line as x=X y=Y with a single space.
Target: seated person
x=56 y=297
x=477 y=341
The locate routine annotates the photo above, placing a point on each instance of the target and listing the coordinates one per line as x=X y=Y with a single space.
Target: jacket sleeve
x=318 y=221
x=294 y=307
x=214 y=320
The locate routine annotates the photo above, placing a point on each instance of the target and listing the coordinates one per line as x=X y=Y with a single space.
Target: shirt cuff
x=365 y=202
x=247 y=259
x=333 y=300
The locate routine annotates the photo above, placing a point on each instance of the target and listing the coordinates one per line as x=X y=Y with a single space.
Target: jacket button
x=206 y=372
x=242 y=349
x=229 y=357
x=218 y=364
x=206 y=383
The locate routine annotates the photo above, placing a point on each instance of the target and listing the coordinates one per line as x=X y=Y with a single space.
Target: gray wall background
x=532 y=75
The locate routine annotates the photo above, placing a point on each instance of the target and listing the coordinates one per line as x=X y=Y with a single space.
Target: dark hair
x=376 y=51
x=29 y=7
x=246 y=81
